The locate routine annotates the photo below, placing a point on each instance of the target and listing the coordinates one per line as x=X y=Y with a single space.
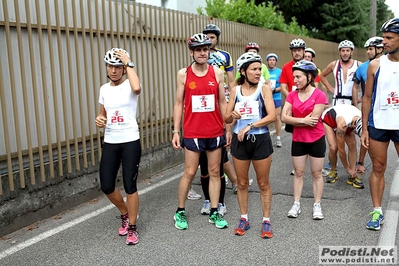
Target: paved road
x=87 y=234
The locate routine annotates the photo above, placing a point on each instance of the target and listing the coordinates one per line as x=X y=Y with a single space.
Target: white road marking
x=391 y=215
x=79 y=220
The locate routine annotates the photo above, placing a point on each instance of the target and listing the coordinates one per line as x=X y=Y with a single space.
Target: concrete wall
x=35 y=203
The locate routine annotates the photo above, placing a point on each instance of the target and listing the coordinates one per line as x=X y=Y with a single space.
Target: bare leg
x=132 y=201
x=117 y=199
x=242 y=168
x=262 y=169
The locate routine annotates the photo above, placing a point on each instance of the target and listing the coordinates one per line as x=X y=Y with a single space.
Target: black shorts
x=113 y=155
x=203 y=162
x=383 y=135
x=253 y=147
x=203 y=144
x=315 y=149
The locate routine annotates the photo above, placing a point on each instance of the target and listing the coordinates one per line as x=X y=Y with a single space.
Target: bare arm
x=284 y=89
x=230 y=79
x=309 y=120
x=131 y=73
x=329 y=69
x=340 y=136
x=228 y=116
x=101 y=119
x=355 y=100
x=366 y=102
x=178 y=108
x=222 y=96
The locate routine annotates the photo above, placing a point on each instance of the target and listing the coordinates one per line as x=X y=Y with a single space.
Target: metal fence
x=51 y=69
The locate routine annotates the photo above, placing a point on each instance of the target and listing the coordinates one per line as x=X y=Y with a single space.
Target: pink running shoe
x=125 y=225
x=132 y=236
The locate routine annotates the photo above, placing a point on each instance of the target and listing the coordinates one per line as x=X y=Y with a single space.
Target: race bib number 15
x=389 y=101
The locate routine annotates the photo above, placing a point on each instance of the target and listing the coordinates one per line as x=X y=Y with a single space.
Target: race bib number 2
x=248 y=110
x=203 y=103
x=389 y=101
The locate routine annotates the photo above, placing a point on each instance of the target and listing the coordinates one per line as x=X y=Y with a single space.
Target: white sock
x=266 y=219
x=297 y=203
x=379 y=209
x=244 y=216
x=278 y=137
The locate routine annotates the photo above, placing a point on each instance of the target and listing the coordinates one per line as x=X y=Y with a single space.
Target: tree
x=343 y=21
x=312 y=15
x=262 y=15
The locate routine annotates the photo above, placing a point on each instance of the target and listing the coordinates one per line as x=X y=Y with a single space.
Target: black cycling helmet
x=212 y=28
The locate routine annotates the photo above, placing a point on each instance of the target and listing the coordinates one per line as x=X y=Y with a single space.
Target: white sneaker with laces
x=278 y=143
x=222 y=209
x=192 y=195
x=317 y=214
x=206 y=208
x=295 y=210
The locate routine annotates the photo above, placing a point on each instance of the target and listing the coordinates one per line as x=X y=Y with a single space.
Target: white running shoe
x=222 y=209
x=325 y=172
x=278 y=143
x=317 y=214
x=192 y=195
x=295 y=210
x=206 y=208
x=226 y=179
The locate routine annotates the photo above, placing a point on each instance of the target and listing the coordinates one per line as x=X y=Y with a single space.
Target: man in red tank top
x=200 y=96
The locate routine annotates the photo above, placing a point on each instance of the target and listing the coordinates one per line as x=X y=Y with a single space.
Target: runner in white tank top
x=380 y=108
x=343 y=71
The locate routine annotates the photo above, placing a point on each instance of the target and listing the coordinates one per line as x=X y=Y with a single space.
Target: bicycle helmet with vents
x=247 y=58
x=110 y=58
x=252 y=45
x=197 y=40
x=297 y=43
x=211 y=28
x=346 y=44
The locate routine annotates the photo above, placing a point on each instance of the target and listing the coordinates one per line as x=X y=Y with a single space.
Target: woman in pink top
x=303 y=108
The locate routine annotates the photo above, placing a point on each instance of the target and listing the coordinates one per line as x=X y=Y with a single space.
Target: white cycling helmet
x=374 y=42
x=246 y=58
x=346 y=44
x=297 y=43
x=310 y=50
x=272 y=55
x=110 y=58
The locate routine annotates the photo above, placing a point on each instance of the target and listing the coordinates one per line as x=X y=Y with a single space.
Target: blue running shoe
x=243 y=226
x=376 y=220
x=328 y=166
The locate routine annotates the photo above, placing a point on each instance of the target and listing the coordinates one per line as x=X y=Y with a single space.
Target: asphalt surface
x=87 y=234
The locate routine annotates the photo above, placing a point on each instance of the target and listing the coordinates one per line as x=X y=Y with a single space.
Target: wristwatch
x=251 y=126
x=130 y=64
x=175 y=131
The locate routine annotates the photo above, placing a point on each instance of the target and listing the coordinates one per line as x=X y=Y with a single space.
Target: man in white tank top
x=343 y=70
x=380 y=109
